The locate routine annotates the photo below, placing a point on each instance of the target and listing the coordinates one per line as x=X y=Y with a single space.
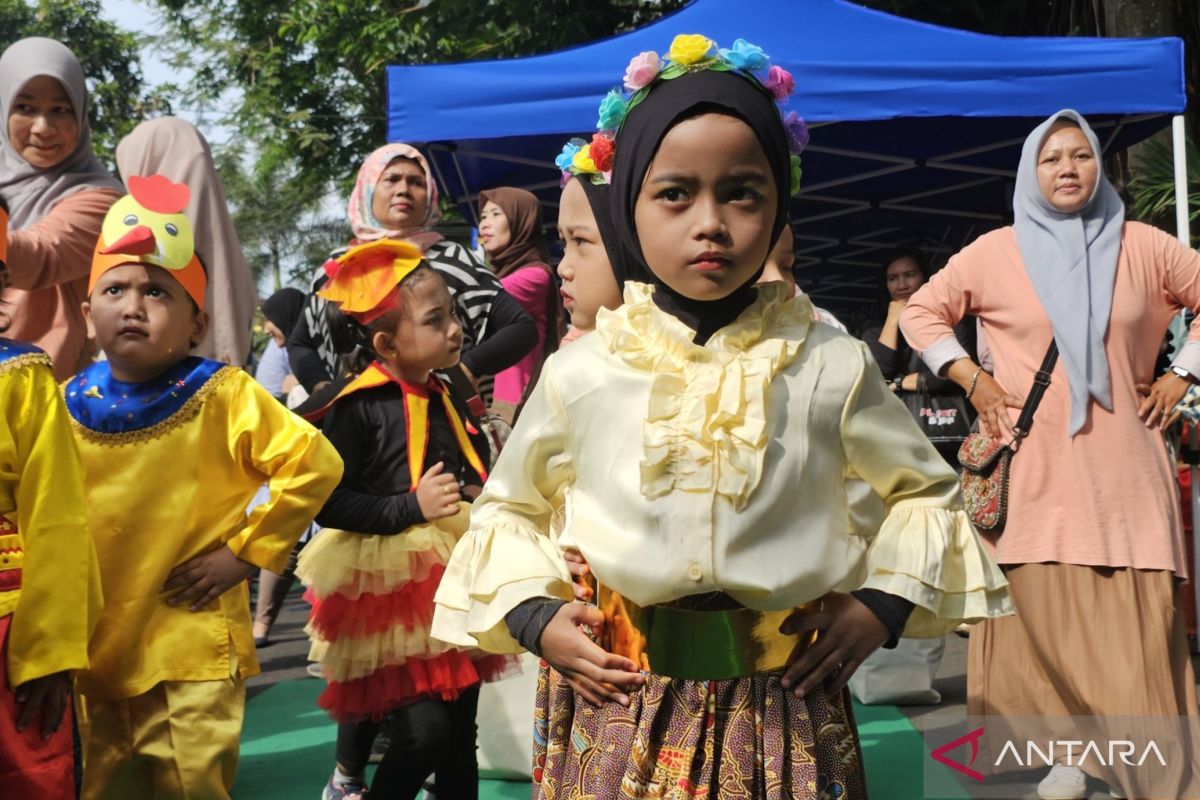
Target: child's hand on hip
x=596 y=675
x=51 y=694
x=438 y=494
x=849 y=633
x=204 y=578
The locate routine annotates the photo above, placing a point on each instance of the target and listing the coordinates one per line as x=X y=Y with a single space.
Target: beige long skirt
x=1093 y=654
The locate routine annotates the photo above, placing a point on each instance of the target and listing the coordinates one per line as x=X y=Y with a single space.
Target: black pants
x=429 y=736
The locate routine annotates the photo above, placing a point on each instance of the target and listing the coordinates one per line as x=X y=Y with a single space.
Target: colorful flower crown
x=689 y=53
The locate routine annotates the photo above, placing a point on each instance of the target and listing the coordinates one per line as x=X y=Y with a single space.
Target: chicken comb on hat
x=363 y=280
x=148 y=226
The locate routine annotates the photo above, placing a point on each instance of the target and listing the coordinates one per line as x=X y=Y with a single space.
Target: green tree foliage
x=109 y=56
x=278 y=217
x=310 y=73
x=1153 y=186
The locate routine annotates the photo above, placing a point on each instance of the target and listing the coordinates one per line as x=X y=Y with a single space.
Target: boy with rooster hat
x=174 y=447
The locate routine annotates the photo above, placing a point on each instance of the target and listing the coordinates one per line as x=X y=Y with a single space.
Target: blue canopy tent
x=916 y=129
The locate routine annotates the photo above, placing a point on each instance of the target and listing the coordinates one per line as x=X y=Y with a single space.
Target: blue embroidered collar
x=101 y=403
x=10 y=349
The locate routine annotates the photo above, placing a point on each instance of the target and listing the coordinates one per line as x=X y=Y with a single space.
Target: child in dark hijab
x=705 y=434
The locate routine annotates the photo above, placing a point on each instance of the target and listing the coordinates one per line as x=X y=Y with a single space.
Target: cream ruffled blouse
x=735 y=466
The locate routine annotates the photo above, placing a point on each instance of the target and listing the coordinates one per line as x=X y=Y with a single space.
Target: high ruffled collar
x=706 y=420
x=640 y=317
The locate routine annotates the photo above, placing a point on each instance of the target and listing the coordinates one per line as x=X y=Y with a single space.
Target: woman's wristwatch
x=1183 y=373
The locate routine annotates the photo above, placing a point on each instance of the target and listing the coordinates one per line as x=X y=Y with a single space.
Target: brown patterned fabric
x=741 y=738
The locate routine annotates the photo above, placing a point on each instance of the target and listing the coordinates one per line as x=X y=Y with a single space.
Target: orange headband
x=148 y=226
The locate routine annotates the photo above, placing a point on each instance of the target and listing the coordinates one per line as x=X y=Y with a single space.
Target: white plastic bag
x=902 y=676
x=505 y=720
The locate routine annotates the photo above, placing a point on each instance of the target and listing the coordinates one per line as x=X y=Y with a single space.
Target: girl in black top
x=412 y=457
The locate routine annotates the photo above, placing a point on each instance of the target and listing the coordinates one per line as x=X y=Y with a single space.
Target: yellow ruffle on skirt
x=373 y=595
x=354 y=563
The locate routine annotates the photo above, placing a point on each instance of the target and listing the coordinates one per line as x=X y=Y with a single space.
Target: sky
x=138 y=16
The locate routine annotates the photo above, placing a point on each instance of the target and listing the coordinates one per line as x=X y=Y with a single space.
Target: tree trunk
x=276 y=269
x=1150 y=18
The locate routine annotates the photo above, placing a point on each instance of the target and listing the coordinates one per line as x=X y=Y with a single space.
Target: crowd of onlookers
x=1092 y=545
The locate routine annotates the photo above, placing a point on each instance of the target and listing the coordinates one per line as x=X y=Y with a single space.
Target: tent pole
x=463 y=181
x=1179 y=147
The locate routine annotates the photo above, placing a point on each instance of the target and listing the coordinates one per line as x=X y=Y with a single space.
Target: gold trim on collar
x=187 y=411
x=23 y=360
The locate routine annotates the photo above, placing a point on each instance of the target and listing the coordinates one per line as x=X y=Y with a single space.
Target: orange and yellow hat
x=148 y=226
x=362 y=281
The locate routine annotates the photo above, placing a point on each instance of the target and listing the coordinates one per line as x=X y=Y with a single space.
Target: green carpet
x=287 y=745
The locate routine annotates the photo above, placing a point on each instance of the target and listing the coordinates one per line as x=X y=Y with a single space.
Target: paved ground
x=284 y=659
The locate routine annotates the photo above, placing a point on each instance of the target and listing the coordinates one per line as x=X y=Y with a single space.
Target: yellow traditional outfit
x=159 y=494
x=170 y=465
x=49 y=584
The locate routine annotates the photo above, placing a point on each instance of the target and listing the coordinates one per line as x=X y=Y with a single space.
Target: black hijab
x=668 y=103
x=283 y=309
x=624 y=267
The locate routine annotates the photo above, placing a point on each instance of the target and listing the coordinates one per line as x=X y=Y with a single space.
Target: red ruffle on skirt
x=444 y=677
x=410 y=605
x=493 y=667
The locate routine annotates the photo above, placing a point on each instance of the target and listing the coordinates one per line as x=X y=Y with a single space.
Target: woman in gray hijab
x=57 y=193
x=1093 y=544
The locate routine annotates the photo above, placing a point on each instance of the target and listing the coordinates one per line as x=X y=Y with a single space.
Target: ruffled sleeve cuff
x=492 y=571
x=934 y=558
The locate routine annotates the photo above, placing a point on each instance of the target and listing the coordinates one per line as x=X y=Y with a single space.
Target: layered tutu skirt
x=372 y=610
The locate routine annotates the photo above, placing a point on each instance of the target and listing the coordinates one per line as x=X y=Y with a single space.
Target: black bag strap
x=1041 y=381
x=461 y=387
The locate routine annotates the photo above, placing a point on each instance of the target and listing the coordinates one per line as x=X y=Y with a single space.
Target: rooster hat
x=147 y=226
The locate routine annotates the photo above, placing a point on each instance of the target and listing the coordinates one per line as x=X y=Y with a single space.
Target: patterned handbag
x=987 y=462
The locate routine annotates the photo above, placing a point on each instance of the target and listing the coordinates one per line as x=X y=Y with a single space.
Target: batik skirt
x=738 y=738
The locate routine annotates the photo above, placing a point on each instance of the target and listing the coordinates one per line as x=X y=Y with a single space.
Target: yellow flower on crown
x=690 y=48
x=582 y=160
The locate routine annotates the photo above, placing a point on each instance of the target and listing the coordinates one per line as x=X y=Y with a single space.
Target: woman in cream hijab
x=173 y=147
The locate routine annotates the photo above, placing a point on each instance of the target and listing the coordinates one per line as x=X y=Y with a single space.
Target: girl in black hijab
x=703 y=437
x=281 y=311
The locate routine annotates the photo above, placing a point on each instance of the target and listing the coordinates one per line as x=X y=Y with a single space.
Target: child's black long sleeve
x=370 y=430
x=363 y=502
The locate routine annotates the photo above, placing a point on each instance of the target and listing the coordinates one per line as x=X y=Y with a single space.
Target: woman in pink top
x=58 y=194
x=510 y=230
x=1093 y=543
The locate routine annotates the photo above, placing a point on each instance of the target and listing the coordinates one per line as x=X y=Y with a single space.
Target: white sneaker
x=1113 y=791
x=1063 y=783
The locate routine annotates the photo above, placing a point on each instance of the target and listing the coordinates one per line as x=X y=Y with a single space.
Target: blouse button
x=694 y=571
